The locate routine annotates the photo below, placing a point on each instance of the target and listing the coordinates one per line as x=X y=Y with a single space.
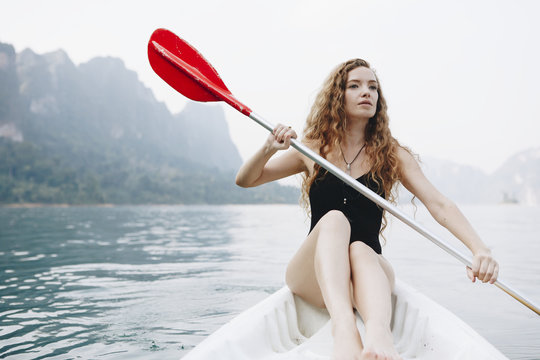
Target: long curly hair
x=325 y=128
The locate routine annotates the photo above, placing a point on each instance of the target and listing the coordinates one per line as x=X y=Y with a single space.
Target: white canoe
x=283 y=326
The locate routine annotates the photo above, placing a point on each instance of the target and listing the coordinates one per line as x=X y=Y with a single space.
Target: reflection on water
x=152 y=282
x=95 y=281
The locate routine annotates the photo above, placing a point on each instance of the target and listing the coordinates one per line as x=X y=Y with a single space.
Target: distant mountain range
x=517 y=180
x=94 y=133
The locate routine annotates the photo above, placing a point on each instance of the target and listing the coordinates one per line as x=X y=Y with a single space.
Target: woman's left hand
x=484 y=268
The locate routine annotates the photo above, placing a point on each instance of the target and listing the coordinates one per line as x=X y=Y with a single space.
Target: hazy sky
x=461 y=77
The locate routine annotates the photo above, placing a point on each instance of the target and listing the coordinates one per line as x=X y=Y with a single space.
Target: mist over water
x=151 y=282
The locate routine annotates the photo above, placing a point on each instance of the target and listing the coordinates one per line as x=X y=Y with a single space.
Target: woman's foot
x=379 y=343
x=347 y=342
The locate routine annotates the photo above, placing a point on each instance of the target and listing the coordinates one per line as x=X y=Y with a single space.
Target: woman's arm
x=484 y=267
x=259 y=169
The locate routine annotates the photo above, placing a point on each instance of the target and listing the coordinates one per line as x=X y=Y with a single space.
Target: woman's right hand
x=280 y=138
x=259 y=169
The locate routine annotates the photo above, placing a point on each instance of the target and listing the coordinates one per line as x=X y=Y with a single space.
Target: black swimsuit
x=330 y=193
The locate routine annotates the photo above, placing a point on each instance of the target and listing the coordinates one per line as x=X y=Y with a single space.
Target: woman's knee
x=359 y=252
x=335 y=219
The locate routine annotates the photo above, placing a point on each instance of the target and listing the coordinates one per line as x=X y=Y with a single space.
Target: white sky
x=461 y=77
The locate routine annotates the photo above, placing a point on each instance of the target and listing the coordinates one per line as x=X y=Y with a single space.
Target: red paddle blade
x=187 y=71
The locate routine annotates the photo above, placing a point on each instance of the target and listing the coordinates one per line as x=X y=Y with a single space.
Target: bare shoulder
x=408 y=164
x=406 y=157
x=414 y=180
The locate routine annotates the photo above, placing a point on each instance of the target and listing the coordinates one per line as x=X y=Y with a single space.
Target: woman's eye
x=353 y=86
x=373 y=87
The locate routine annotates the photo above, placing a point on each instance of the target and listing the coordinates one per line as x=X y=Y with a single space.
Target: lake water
x=151 y=282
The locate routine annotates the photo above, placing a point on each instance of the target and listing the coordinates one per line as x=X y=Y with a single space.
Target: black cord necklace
x=349 y=168
x=350 y=163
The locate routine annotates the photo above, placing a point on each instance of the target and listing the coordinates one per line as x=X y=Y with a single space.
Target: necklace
x=350 y=163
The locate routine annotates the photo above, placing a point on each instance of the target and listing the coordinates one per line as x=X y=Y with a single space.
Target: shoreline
x=40 y=205
x=108 y=205
x=111 y=205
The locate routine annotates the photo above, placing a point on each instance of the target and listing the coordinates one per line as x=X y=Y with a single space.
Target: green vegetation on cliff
x=94 y=134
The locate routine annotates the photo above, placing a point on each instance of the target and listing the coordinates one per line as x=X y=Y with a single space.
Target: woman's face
x=361 y=94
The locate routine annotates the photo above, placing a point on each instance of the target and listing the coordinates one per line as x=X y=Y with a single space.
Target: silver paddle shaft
x=466 y=260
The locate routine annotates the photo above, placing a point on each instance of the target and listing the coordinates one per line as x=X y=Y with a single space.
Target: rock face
x=203 y=132
x=11 y=106
x=103 y=103
x=95 y=133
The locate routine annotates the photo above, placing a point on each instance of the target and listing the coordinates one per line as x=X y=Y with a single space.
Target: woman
x=339 y=266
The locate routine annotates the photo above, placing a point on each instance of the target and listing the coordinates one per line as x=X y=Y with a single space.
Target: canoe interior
x=283 y=326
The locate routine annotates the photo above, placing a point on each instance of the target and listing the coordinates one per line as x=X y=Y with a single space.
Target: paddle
x=186 y=70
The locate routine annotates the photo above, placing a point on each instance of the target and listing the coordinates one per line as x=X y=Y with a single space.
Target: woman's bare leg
x=373 y=280
x=320 y=273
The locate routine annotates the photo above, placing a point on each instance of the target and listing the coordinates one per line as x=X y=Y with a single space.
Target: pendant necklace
x=348 y=164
